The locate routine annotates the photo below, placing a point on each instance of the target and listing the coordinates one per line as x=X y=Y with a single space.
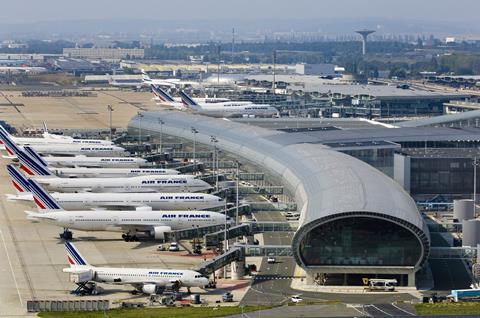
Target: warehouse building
x=104 y=53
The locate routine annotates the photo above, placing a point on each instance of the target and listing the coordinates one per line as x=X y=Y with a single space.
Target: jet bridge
x=238 y=252
x=234 y=254
x=242 y=210
x=187 y=234
x=247 y=229
x=214 y=239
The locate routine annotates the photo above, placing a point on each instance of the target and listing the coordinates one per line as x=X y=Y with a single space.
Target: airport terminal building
x=355 y=220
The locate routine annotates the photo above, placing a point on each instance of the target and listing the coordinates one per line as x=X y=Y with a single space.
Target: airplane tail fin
x=33 y=154
x=31 y=166
x=188 y=101
x=161 y=94
x=6 y=139
x=20 y=183
x=2 y=129
x=73 y=255
x=43 y=200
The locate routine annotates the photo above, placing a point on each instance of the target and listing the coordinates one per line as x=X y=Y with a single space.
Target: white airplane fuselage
x=95 y=162
x=159 y=183
x=157 y=201
x=58 y=140
x=129 y=221
x=109 y=172
x=79 y=149
x=236 y=109
x=141 y=276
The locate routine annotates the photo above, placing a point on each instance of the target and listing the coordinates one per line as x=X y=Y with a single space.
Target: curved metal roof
x=324 y=182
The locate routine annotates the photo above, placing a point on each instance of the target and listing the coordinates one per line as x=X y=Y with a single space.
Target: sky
x=30 y=11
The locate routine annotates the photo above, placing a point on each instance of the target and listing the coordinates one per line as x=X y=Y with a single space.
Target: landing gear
x=66 y=235
x=188 y=290
x=129 y=238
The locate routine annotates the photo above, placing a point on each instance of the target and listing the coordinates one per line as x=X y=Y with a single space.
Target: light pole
x=140 y=116
x=236 y=191
x=214 y=141
x=161 y=122
x=225 y=208
x=110 y=110
x=194 y=132
x=475 y=164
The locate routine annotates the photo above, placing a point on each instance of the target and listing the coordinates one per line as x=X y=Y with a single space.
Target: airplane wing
x=35 y=216
x=85 y=190
x=136 y=228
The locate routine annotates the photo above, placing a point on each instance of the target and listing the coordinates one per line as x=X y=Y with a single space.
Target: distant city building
x=319 y=69
x=450 y=39
x=104 y=53
x=22 y=56
x=74 y=66
x=10 y=44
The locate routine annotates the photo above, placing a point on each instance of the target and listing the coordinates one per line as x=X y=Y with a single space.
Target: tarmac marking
x=405 y=311
x=386 y=313
x=363 y=313
x=11 y=269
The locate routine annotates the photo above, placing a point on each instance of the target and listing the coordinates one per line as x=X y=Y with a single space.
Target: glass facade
x=363 y=241
x=382 y=159
x=432 y=176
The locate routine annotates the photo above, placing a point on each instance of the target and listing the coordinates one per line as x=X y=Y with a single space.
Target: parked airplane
x=144 y=183
x=166 y=99
x=48 y=138
x=31 y=160
x=64 y=149
x=171 y=82
x=229 y=109
x=120 y=201
x=144 y=280
x=94 y=162
x=142 y=222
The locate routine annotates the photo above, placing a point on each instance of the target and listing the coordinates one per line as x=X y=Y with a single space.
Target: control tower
x=364 y=33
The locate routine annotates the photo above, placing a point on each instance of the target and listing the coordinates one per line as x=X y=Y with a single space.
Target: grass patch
x=183 y=312
x=465 y=308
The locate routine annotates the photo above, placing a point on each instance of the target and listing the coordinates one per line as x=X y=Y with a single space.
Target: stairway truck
x=82 y=277
x=464 y=295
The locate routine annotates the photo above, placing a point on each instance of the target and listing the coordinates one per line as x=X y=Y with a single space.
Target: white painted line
x=363 y=313
x=386 y=313
x=11 y=268
x=405 y=311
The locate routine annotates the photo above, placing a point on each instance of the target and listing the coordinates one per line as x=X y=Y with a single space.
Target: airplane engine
x=158 y=232
x=149 y=289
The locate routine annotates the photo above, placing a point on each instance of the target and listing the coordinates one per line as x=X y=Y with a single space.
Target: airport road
x=334 y=310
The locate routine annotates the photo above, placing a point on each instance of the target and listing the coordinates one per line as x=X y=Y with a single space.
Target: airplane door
x=70 y=220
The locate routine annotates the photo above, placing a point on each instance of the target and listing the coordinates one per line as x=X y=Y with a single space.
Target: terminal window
x=360 y=241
